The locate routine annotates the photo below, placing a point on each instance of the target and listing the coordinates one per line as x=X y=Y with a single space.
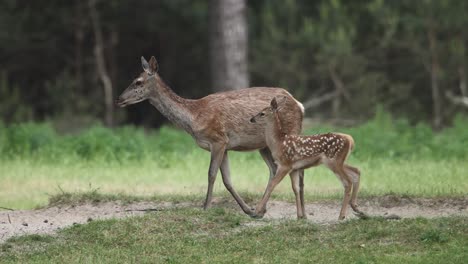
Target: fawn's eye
x=262 y=114
x=138 y=83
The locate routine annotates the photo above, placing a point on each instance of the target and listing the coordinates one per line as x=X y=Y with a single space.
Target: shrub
x=381 y=137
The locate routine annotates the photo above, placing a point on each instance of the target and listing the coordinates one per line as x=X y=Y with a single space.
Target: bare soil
x=50 y=220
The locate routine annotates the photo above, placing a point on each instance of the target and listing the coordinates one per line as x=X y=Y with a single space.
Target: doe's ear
x=153 y=64
x=145 y=65
x=274 y=104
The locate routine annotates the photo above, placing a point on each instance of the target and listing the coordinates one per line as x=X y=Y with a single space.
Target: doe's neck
x=175 y=108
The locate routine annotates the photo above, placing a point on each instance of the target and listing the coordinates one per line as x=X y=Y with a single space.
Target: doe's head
x=140 y=88
x=275 y=105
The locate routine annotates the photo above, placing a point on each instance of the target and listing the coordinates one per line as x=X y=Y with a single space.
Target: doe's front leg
x=217 y=155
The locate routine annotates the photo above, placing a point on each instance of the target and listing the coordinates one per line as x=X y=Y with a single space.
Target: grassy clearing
x=27 y=184
x=394 y=157
x=224 y=236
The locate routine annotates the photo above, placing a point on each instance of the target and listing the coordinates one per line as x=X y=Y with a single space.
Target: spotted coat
x=297 y=147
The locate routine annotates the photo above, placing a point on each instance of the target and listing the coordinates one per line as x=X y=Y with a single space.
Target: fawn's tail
x=350 y=141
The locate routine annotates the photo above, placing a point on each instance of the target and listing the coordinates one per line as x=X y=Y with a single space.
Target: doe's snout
x=119 y=102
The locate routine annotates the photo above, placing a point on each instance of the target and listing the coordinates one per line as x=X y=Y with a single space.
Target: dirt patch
x=385 y=206
x=49 y=220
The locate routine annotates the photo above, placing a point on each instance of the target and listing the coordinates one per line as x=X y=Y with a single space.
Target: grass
x=394 y=157
x=188 y=235
x=27 y=184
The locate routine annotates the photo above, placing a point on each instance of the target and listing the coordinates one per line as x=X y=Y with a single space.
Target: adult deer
x=218 y=122
x=294 y=153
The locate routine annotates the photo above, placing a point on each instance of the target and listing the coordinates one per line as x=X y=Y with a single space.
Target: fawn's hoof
x=361 y=215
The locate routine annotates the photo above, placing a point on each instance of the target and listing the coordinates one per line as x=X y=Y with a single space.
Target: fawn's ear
x=145 y=65
x=274 y=104
x=153 y=64
x=280 y=102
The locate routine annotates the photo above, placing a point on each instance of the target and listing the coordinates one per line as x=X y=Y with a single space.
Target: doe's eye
x=262 y=114
x=138 y=83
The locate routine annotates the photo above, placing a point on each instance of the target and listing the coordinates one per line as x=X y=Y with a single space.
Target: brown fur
x=218 y=122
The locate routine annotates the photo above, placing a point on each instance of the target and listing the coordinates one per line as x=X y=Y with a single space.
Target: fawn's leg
x=227 y=182
x=355 y=176
x=295 y=178
x=217 y=153
x=301 y=191
x=347 y=184
x=280 y=173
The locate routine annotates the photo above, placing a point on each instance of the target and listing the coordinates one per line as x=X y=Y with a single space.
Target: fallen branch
x=316 y=101
x=458 y=100
x=339 y=85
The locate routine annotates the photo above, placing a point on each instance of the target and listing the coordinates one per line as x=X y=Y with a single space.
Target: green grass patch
x=219 y=235
x=394 y=157
x=27 y=184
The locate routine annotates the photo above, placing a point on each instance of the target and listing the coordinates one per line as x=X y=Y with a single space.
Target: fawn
x=293 y=153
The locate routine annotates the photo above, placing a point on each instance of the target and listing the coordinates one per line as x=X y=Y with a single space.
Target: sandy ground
x=50 y=220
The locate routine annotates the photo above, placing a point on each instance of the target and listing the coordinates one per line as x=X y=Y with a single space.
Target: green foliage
x=102 y=143
x=12 y=108
x=40 y=142
x=384 y=137
x=21 y=140
x=381 y=137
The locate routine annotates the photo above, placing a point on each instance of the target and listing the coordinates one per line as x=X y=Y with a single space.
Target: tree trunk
x=228 y=40
x=79 y=24
x=462 y=68
x=435 y=72
x=112 y=47
x=101 y=64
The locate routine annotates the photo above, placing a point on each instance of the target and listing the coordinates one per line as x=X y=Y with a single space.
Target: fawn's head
x=268 y=112
x=140 y=88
